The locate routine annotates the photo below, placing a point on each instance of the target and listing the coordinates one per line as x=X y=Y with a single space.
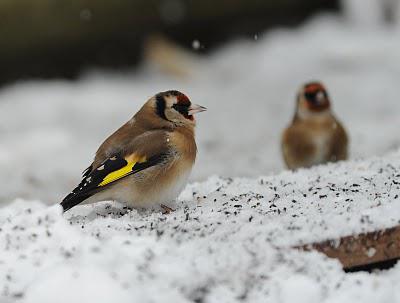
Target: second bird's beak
x=320 y=98
x=194 y=109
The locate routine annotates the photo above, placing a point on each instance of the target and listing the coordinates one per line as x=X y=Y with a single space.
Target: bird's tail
x=72 y=200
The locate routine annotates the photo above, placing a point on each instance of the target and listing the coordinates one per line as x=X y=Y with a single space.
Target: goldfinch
x=315 y=135
x=147 y=161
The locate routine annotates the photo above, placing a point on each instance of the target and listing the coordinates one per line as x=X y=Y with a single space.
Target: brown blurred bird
x=315 y=135
x=148 y=160
x=170 y=58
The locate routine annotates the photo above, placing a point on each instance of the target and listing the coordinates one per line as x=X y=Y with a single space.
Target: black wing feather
x=87 y=171
x=92 y=178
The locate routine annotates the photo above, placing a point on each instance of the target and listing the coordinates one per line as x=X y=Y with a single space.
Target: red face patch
x=314 y=87
x=183 y=105
x=183 y=100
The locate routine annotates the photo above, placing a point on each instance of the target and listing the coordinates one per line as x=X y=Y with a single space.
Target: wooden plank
x=363 y=249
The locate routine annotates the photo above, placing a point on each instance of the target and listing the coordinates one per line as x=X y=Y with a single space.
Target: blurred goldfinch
x=148 y=160
x=315 y=135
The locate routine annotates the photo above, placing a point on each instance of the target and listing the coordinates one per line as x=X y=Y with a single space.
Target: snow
x=248 y=107
x=230 y=238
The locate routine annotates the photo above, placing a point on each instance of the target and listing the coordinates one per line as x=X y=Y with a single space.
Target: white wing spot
x=113 y=158
x=101 y=167
x=89 y=179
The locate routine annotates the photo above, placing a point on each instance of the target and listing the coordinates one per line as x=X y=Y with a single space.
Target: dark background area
x=59 y=38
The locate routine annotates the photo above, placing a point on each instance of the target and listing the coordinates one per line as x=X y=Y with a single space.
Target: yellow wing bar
x=124 y=171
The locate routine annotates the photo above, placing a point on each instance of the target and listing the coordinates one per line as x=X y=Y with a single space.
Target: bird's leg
x=166 y=209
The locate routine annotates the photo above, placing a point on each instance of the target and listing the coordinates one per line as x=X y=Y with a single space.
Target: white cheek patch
x=170 y=101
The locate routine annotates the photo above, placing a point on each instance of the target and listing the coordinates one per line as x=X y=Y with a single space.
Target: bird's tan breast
x=184 y=143
x=307 y=143
x=163 y=183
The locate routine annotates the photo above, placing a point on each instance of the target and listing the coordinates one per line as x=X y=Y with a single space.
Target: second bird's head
x=174 y=107
x=312 y=100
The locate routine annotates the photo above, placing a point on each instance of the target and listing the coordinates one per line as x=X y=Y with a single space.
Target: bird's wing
x=145 y=151
x=297 y=147
x=339 y=148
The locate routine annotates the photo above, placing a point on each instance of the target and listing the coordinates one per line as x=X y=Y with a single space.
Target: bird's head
x=175 y=107
x=312 y=100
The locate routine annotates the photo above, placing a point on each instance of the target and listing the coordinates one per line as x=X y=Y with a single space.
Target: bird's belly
x=160 y=192
x=321 y=148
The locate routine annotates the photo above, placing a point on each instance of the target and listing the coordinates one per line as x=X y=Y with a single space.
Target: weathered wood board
x=363 y=249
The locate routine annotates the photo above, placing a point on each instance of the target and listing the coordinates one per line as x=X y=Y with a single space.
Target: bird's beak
x=320 y=98
x=194 y=109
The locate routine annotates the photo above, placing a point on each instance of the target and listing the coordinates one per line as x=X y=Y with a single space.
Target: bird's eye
x=317 y=100
x=316 y=97
x=181 y=108
x=310 y=96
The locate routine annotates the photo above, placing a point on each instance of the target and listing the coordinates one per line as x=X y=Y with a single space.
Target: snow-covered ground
x=226 y=241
